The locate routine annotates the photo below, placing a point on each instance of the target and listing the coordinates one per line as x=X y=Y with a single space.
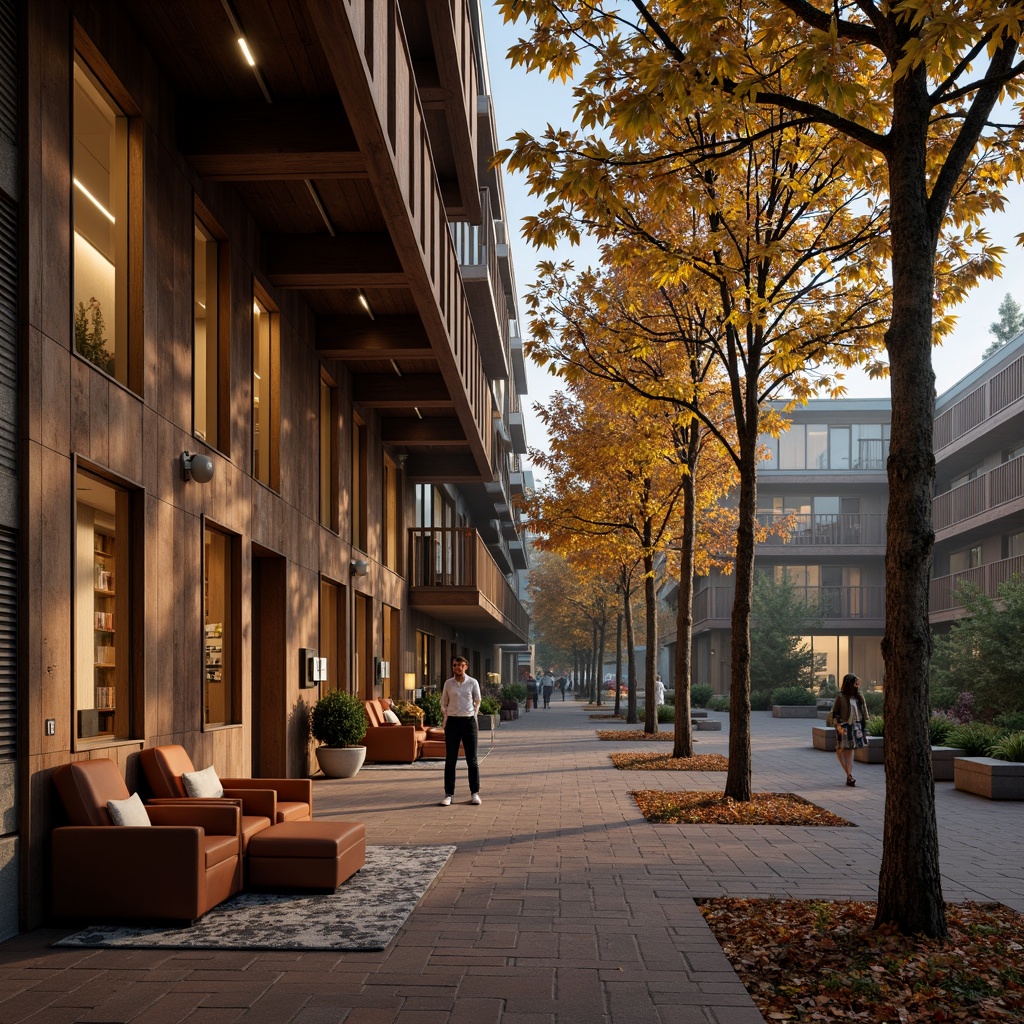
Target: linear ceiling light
x=245 y=50
x=365 y=303
x=92 y=199
x=236 y=27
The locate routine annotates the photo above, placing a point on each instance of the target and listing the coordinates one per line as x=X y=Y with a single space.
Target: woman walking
x=849 y=712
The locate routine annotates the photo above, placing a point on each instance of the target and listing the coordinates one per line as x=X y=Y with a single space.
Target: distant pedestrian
x=561 y=683
x=546 y=686
x=531 y=691
x=850 y=713
x=659 y=691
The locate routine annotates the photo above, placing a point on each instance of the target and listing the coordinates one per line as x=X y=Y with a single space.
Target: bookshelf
x=104 y=632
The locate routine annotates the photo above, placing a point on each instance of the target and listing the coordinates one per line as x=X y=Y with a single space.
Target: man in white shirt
x=460 y=701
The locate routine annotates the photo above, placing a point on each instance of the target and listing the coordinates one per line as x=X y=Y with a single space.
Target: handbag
x=830 y=721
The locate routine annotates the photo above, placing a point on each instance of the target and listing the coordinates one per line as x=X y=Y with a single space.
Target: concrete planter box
x=873 y=753
x=794 y=711
x=823 y=737
x=985 y=776
x=942 y=762
x=509 y=715
x=487 y=723
x=706 y=724
x=698 y=713
x=823 y=714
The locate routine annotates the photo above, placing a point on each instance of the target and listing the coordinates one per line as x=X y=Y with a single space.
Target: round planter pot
x=340 y=762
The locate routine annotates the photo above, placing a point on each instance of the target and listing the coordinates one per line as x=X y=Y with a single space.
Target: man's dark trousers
x=464 y=731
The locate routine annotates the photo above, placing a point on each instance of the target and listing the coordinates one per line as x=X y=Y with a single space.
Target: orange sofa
x=187 y=861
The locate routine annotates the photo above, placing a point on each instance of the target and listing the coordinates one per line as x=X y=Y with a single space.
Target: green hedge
x=791 y=696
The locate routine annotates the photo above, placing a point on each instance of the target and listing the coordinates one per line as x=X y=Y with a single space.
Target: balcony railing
x=856 y=603
x=1005 y=388
x=991 y=489
x=848 y=528
x=987 y=578
x=456 y=558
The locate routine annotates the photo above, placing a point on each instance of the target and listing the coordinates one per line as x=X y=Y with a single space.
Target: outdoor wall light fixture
x=196 y=467
x=357 y=567
x=409 y=682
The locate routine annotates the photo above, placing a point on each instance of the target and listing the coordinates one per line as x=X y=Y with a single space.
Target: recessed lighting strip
x=243 y=43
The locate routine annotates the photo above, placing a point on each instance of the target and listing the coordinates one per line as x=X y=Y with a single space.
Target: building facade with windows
x=978 y=510
x=264 y=381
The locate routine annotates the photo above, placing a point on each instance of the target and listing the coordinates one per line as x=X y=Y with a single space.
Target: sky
x=531 y=101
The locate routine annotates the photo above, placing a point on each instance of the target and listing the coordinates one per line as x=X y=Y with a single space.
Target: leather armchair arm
x=293 y=790
x=392 y=743
x=110 y=871
x=216 y=817
x=259 y=803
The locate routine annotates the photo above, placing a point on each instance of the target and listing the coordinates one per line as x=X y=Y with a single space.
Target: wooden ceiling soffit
x=271 y=142
x=347 y=261
x=453 y=469
x=411 y=431
x=359 y=337
x=387 y=391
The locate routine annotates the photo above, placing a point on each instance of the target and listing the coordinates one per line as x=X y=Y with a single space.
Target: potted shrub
x=408 y=713
x=431 y=705
x=488 y=714
x=338 y=722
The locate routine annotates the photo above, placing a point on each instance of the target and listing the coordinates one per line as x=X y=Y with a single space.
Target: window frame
x=269 y=308
x=233 y=647
x=221 y=357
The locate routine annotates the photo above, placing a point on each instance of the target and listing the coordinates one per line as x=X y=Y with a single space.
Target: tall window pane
x=817 y=455
x=791 y=448
x=221 y=698
x=100 y=218
x=265 y=405
x=205 y=332
x=359 y=495
x=328 y=456
x=102 y=643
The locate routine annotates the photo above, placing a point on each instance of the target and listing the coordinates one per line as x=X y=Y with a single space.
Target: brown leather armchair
x=385 y=741
x=188 y=861
x=265 y=802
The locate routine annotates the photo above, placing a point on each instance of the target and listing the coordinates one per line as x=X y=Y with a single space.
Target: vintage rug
x=359 y=916
x=428 y=764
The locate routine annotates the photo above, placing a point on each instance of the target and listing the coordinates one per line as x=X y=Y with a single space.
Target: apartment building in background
x=260 y=381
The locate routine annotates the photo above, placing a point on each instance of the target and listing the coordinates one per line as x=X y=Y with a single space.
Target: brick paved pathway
x=561 y=905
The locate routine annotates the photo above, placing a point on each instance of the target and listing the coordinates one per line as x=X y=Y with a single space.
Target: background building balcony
x=453 y=576
x=847 y=529
x=999 y=489
x=837 y=606
x=942 y=603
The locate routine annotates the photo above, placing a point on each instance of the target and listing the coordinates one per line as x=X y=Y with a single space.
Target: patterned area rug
x=354 y=918
x=428 y=764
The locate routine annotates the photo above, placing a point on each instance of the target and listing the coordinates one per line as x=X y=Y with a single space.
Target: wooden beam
x=276 y=142
x=359 y=337
x=411 y=431
x=389 y=391
x=347 y=261
x=454 y=469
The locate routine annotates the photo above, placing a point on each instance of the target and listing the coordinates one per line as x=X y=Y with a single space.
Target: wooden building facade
x=267 y=380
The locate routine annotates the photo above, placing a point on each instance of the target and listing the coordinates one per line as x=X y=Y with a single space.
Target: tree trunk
x=910 y=884
x=631 y=663
x=603 y=629
x=651 y=665
x=683 y=739
x=618 y=663
x=737 y=781
x=595 y=675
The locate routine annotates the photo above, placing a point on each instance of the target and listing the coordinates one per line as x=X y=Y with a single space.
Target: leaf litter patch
x=646 y=761
x=703 y=808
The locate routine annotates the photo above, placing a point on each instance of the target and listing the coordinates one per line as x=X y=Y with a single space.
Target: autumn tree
x=611 y=472
x=911 y=87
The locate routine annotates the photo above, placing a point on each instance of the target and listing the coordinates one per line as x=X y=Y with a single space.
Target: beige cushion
x=128 y=812
x=204 y=783
x=390 y=716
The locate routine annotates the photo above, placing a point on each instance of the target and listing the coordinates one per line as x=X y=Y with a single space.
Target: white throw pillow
x=390 y=716
x=204 y=783
x=128 y=812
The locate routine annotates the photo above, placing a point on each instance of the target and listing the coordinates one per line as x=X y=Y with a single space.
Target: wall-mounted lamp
x=409 y=682
x=196 y=467
x=357 y=567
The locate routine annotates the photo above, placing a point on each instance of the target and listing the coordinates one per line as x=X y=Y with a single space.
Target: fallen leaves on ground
x=823 y=961
x=700 y=808
x=621 y=718
x=646 y=761
x=634 y=734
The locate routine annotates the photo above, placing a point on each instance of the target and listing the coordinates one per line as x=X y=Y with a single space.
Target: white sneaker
x=475 y=798
x=446 y=801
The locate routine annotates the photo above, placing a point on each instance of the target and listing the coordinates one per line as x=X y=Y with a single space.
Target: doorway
x=270 y=710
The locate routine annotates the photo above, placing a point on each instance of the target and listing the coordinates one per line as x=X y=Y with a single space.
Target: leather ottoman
x=305 y=855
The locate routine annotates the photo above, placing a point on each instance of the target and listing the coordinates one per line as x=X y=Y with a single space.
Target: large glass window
x=99 y=175
x=221 y=615
x=1014 y=545
x=390 y=525
x=358 y=490
x=103 y=678
x=968 y=558
x=266 y=415
x=208 y=374
x=791 y=448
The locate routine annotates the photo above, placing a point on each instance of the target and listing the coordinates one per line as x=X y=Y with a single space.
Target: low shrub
x=874 y=701
x=875 y=725
x=408 y=713
x=974 y=737
x=666 y=713
x=1010 y=721
x=790 y=696
x=431 y=704
x=761 y=700
x=943 y=697
x=513 y=692
x=1009 y=747
x=939 y=729
x=338 y=719
x=828 y=687
x=700 y=694
x=489 y=706
x=721 y=703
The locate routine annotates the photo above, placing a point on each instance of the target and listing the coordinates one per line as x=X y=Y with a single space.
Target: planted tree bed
x=698 y=808
x=809 y=960
x=647 y=761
